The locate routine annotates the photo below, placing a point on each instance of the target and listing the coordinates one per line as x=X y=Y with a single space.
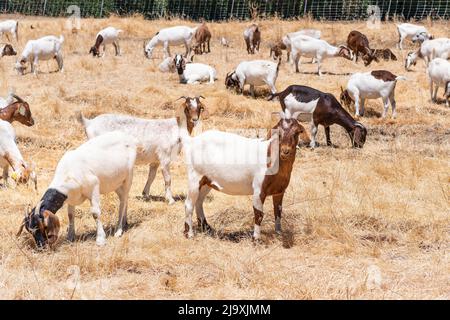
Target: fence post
x=45 y=6
x=101 y=9
x=304 y=8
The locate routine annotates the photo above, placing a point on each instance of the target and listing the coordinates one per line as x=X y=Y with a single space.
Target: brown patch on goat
x=205 y=181
x=383 y=75
x=8 y=50
x=95 y=50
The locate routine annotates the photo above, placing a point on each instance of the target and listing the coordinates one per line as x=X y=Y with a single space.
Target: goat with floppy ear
x=17 y=111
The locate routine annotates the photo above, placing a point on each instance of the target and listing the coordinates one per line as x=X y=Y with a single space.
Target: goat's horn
x=182 y=97
x=38 y=208
x=17 y=98
x=201 y=97
x=359 y=125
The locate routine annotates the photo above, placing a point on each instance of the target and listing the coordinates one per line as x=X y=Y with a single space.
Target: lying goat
x=160 y=138
x=18 y=110
x=99 y=166
x=106 y=36
x=7 y=50
x=385 y=54
x=193 y=73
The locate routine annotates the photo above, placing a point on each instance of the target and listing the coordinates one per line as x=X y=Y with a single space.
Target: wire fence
x=237 y=9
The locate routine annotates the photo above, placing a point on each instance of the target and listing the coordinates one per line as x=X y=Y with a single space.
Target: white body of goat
x=362 y=86
x=195 y=73
x=9 y=27
x=307 y=46
x=409 y=30
x=45 y=48
x=167 y=65
x=179 y=35
x=286 y=40
x=4 y=102
x=439 y=76
x=429 y=49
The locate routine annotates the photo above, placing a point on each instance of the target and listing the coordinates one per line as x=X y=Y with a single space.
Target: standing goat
x=174 y=36
x=106 y=36
x=237 y=165
x=439 y=75
x=285 y=43
x=160 y=138
x=409 y=30
x=10 y=27
x=325 y=111
x=45 y=48
x=371 y=85
x=254 y=73
x=202 y=37
x=18 y=110
x=359 y=44
x=252 y=37
x=318 y=49
x=99 y=166
x=429 y=49
x=193 y=73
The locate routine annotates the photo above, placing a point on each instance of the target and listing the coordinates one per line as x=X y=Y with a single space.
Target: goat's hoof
x=118 y=233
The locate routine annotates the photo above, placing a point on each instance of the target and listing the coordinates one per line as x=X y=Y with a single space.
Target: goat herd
x=226 y=162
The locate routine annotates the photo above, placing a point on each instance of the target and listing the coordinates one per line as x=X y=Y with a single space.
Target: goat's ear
x=51 y=222
x=342 y=90
x=22 y=110
x=205 y=114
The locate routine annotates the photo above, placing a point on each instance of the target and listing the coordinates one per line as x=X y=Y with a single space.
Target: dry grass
x=358 y=224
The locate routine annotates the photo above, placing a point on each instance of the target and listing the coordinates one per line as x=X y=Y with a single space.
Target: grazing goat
x=18 y=110
x=7 y=50
x=429 y=49
x=237 y=165
x=8 y=27
x=99 y=166
x=104 y=37
x=10 y=156
x=286 y=41
x=171 y=36
x=160 y=138
x=318 y=49
x=385 y=54
x=252 y=37
x=193 y=73
x=202 y=38
x=325 y=111
x=359 y=44
x=371 y=85
x=254 y=73
x=45 y=48
x=409 y=30
x=439 y=75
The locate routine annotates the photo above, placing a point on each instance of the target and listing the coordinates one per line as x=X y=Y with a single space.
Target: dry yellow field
x=358 y=224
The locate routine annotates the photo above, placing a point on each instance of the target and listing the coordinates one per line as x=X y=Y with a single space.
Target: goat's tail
x=400 y=78
x=61 y=39
x=81 y=119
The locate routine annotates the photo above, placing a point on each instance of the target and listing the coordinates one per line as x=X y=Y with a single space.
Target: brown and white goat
x=17 y=111
x=325 y=110
x=252 y=37
x=202 y=37
x=276 y=50
x=359 y=44
x=385 y=54
x=7 y=50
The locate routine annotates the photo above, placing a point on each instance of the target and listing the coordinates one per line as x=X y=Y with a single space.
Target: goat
x=385 y=54
x=429 y=49
x=99 y=166
x=252 y=37
x=224 y=42
x=439 y=74
x=202 y=38
x=408 y=30
x=193 y=73
x=7 y=50
x=171 y=36
x=160 y=138
x=325 y=111
x=18 y=110
x=8 y=27
x=45 y=48
x=237 y=165
x=371 y=85
x=104 y=37
x=316 y=48
x=10 y=156
x=286 y=41
x=254 y=73
x=167 y=65
x=359 y=44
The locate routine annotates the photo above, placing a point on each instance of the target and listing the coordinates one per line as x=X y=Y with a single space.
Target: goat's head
x=358 y=135
x=180 y=63
x=95 y=51
x=421 y=37
x=275 y=51
x=345 y=98
x=193 y=108
x=369 y=57
x=8 y=50
x=345 y=52
x=42 y=224
x=231 y=81
x=21 y=66
x=289 y=132
x=411 y=60
x=148 y=50
x=23 y=112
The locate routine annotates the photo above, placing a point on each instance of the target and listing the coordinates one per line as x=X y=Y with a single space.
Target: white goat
x=316 y=48
x=439 y=75
x=99 y=166
x=429 y=49
x=286 y=40
x=160 y=138
x=409 y=30
x=10 y=156
x=171 y=36
x=371 y=85
x=254 y=73
x=193 y=73
x=109 y=35
x=10 y=27
x=167 y=65
x=45 y=48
